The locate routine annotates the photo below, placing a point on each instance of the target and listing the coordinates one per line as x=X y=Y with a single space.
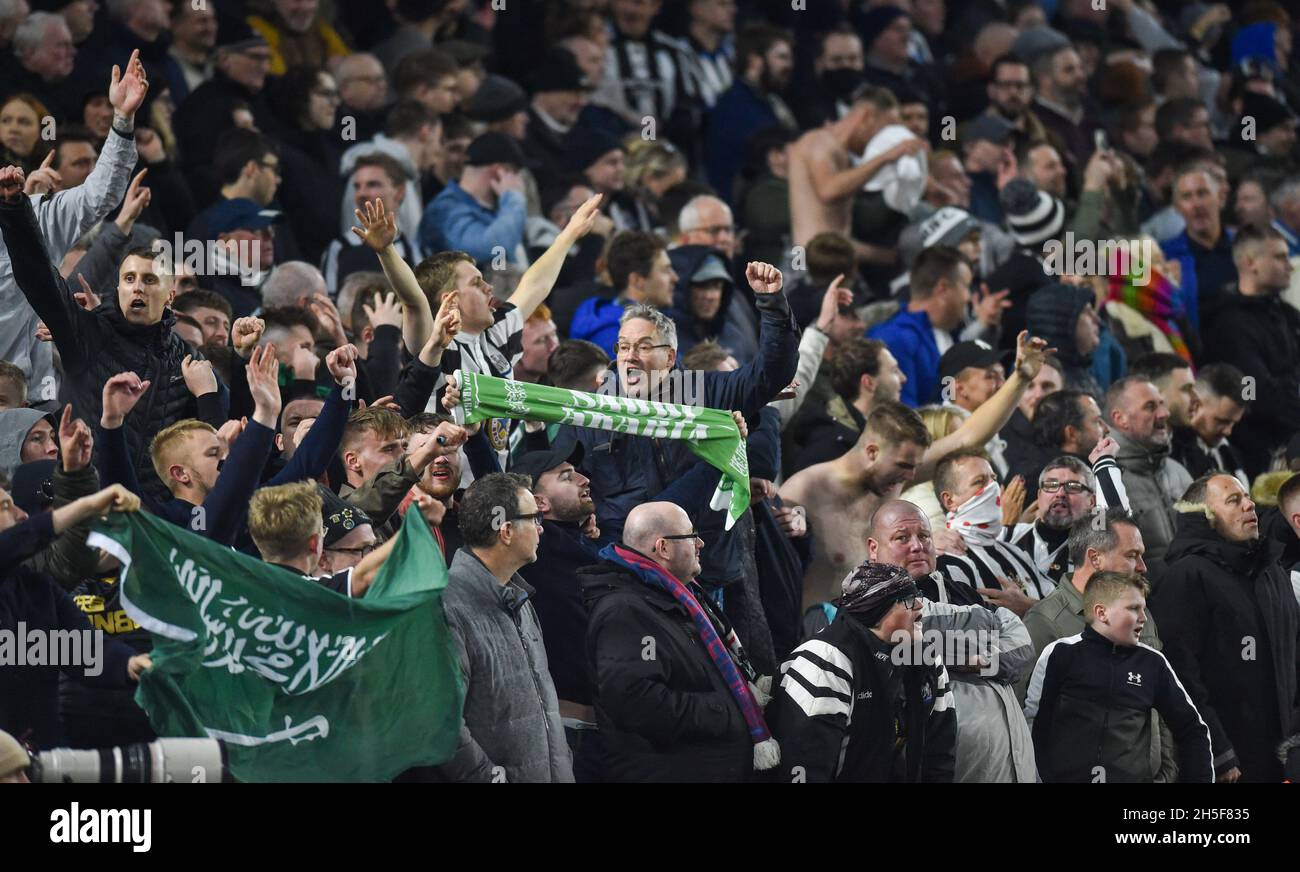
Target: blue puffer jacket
x=626 y=471
x=596 y=320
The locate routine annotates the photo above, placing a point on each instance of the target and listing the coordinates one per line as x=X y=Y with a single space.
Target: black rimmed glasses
x=683 y=536
x=1073 y=488
x=535 y=517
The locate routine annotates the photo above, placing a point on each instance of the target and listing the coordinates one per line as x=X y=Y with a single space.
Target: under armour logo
x=1135 y=678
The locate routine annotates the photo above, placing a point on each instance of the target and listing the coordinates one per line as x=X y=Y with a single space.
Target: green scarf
x=711 y=433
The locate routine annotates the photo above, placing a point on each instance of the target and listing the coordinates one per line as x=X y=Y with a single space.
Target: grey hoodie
x=14 y=426
x=511 y=728
x=1154 y=482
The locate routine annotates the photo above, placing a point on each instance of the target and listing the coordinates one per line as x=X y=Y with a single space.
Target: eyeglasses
x=716 y=229
x=1071 y=487
x=327 y=93
x=683 y=536
x=910 y=603
x=536 y=517
x=644 y=347
x=360 y=550
x=273 y=167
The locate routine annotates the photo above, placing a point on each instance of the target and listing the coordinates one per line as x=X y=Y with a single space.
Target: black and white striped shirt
x=982 y=565
x=709 y=73
x=651 y=73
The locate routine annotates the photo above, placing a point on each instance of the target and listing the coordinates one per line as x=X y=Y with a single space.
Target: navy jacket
x=626 y=471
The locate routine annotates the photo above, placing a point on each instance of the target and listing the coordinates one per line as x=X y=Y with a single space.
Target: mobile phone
x=1099 y=140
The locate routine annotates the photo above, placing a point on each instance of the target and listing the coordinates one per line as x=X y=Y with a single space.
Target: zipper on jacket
x=1105 y=717
x=537 y=686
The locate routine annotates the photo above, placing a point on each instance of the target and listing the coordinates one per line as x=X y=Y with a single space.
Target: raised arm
x=322 y=441
x=831 y=185
x=992 y=415
x=537 y=282
x=378 y=230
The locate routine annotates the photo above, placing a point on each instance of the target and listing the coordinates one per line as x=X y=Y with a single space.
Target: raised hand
x=342 y=364
x=244 y=335
x=121 y=393
x=231 y=430
x=446 y=324
x=126 y=91
x=1030 y=354
x=304 y=364
x=740 y=424
x=198 y=375
x=1013 y=500
x=76 y=444
x=378 y=228
x=328 y=315
x=584 y=219
x=835 y=297
x=86 y=298
x=763 y=278
x=136 y=201
x=386 y=312
x=11 y=182
x=263 y=385
x=447 y=439
x=793 y=520
x=988 y=306
x=1105 y=447
x=43 y=180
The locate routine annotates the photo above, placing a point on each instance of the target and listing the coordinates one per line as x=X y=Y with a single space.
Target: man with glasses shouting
x=1067 y=491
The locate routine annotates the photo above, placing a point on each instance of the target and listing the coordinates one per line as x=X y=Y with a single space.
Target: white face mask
x=979 y=519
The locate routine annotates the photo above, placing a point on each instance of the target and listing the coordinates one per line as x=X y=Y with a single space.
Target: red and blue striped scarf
x=720 y=651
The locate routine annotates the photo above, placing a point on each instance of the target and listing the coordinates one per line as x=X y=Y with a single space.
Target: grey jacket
x=63 y=217
x=1154 y=482
x=511 y=728
x=993 y=740
x=1060 y=615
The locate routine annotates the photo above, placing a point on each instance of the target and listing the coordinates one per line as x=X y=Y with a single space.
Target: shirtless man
x=824 y=179
x=895 y=449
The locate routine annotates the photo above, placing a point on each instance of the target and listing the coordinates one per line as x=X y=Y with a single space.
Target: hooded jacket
x=97 y=345
x=1154 y=482
x=511 y=725
x=665 y=713
x=1230 y=623
x=729 y=327
x=1261 y=337
x=1051 y=314
x=596 y=320
x=15 y=424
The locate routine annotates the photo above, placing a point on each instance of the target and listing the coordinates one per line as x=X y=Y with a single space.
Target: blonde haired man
x=287 y=525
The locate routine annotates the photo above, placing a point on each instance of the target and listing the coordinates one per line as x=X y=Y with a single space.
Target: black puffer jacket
x=1229 y=622
x=99 y=344
x=665 y=712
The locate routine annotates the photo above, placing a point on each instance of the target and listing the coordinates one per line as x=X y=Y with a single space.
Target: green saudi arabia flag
x=711 y=433
x=302 y=684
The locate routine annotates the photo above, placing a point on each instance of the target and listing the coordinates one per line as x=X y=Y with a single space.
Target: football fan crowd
x=1000 y=295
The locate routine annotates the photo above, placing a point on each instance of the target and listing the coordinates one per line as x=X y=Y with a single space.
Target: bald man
x=664 y=709
x=984 y=650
